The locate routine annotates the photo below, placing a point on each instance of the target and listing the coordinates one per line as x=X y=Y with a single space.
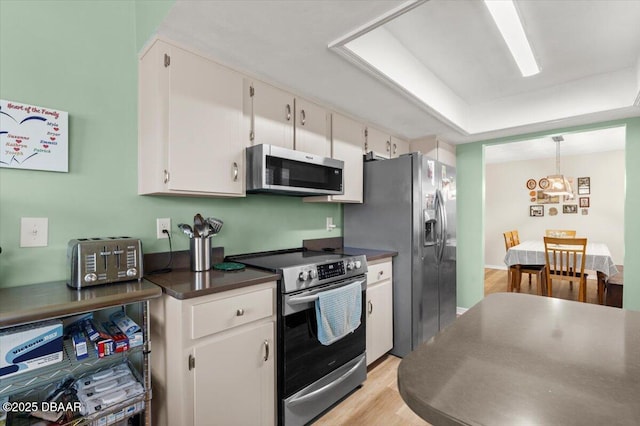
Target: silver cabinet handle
x=380 y=274
x=370 y=307
x=266 y=350
x=240 y=312
x=388 y=146
x=235 y=171
x=395 y=148
x=303 y=117
x=166 y=176
x=288 y=109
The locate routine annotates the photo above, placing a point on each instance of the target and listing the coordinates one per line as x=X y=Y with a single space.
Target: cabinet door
x=312 y=128
x=346 y=144
x=233 y=383
x=205 y=116
x=398 y=147
x=271 y=115
x=378 y=142
x=379 y=320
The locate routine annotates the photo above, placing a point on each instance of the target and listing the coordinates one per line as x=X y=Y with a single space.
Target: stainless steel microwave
x=273 y=169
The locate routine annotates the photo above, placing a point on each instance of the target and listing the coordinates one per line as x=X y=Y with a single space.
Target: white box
x=29 y=347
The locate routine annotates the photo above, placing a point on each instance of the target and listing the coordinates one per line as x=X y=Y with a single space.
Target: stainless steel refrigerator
x=410 y=207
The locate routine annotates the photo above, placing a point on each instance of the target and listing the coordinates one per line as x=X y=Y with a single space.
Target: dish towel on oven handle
x=338 y=312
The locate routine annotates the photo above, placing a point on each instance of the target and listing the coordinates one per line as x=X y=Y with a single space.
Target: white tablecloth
x=532 y=253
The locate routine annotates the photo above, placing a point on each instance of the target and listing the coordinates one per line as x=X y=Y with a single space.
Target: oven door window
x=306 y=359
x=284 y=172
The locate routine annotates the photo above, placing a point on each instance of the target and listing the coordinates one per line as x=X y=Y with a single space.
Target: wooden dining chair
x=514 y=274
x=560 y=233
x=565 y=259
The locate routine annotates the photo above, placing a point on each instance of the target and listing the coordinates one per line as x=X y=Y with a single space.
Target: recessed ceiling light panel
x=506 y=17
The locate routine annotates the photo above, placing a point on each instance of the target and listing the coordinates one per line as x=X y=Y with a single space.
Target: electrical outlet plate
x=34 y=231
x=162 y=224
x=330 y=225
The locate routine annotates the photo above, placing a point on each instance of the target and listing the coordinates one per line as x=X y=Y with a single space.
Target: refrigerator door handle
x=442 y=219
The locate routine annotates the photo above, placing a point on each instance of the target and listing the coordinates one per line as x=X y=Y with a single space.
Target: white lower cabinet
x=379 y=309
x=214 y=358
x=233 y=378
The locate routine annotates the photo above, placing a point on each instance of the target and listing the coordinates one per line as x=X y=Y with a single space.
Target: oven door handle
x=297 y=300
x=318 y=392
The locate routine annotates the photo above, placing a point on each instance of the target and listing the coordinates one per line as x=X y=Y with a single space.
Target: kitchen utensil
x=186 y=229
x=215 y=225
x=199 y=226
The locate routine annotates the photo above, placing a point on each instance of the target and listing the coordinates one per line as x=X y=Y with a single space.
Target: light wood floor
x=495 y=281
x=377 y=402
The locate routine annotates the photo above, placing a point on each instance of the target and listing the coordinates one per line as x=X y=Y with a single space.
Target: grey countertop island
x=517 y=359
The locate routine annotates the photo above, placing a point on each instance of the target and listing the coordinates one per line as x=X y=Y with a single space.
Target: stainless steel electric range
x=311 y=376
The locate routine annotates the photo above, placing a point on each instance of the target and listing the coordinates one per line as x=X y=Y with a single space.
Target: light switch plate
x=34 y=231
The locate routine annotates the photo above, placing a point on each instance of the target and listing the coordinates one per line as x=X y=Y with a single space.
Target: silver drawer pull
x=370 y=307
x=266 y=350
x=288 y=110
x=381 y=273
x=303 y=117
x=235 y=171
x=240 y=312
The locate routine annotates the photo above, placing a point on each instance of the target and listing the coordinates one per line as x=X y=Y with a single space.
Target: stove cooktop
x=302 y=268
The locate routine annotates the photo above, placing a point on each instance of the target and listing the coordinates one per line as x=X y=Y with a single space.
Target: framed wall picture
x=585 y=212
x=569 y=208
x=584 y=186
x=536 y=211
x=584 y=201
x=543 y=198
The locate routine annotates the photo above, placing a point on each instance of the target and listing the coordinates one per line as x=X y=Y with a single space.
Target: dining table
x=521 y=359
x=531 y=252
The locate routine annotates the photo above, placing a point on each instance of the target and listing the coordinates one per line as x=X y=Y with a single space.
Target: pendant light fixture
x=558 y=184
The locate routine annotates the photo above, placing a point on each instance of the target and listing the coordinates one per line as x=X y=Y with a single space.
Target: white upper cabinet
x=347 y=140
x=377 y=141
x=312 y=128
x=399 y=147
x=190 y=122
x=270 y=112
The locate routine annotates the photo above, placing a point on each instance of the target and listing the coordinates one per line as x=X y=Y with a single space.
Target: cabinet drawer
x=218 y=315
x=379 y=272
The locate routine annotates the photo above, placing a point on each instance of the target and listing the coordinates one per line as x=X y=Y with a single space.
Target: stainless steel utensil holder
x=200 y=253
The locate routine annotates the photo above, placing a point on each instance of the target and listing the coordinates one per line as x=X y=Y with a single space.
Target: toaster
x=96 y=261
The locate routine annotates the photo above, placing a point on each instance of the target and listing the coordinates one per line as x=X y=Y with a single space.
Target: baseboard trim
x=502 y=267
x=460 y=311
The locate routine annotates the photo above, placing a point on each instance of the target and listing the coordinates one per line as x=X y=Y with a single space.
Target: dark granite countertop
x=523 y=359
x=369 y=253
x=36 y=302
x=185 y=284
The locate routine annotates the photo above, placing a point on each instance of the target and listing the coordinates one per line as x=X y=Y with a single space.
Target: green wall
x=470 y=167
x=81 y=57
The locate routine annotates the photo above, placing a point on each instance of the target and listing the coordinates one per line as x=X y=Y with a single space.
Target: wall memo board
x=33 y=137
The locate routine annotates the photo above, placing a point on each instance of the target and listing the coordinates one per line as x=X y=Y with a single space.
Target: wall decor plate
x=543 y=183
x=532 y=193
x=533 y=199
x=553 y=211
x=531 y=184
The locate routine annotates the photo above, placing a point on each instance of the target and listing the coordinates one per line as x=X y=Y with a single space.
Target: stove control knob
x=132 y=272
x=303 y=276
x=358 y=264
x=313 y=274
x=90 y=277
x=350 y=265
